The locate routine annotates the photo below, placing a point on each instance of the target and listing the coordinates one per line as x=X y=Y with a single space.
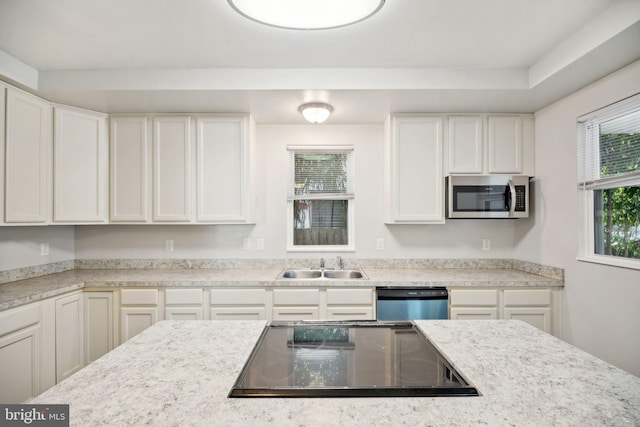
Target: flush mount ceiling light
x=315 y=112
x=307 y=14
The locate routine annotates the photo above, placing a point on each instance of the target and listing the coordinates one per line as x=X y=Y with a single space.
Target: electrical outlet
x=380 y=244
x=44 y=249
x=260 y=245
x=246 y=244
x=168 y=245
x=486 y=244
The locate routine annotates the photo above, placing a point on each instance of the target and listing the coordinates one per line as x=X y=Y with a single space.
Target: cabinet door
x=134 y=320
x=98 y=325
x=69 y=336
x=20 y=348
x=464 y=145
x=183 y=313
x=540 y=317
x=350 y=313
x=414 y=180
x=473 y=313
x=171 y=169
x=224 y=169
x=296 y=313
x=129 y=152
x=238 y=313
x=28 y=159
x=20 y=365
x=505 y=144
x=81 y=160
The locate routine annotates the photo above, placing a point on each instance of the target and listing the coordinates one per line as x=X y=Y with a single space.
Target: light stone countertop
x=179 y=373
x=22 y=292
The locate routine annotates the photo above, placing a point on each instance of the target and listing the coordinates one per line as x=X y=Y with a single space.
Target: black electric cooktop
x=347 y=359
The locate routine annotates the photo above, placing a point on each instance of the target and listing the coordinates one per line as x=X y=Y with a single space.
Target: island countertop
x=22 y=292
x=180 y=373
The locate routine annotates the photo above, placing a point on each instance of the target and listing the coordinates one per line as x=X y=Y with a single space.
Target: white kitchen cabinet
x=540 y=307
x=139 y=309
x=172 y=169
x=130 y=165
x=99 y=324
x=490 y=144
x=28 y=148
x=238 y=304
x=296 y=304
x=414 y=183
x=183 y=304
x=69 y=335
x=224 y=152
x=81 y=159
x=473 y=304
x=465 y=148
x=505 y=144
x=350 y=304
x=20 y=348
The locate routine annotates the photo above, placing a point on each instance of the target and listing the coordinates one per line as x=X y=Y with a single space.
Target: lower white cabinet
x=183 y=304
x=69 y=335
x=139 y=310
x=20 y=352
x=238 y=304
x=296 y=304
x=539 y=307
x=99 y=324
x=350 y=304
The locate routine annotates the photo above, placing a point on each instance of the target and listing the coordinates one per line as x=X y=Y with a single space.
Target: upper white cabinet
x=28 y=159
x=490 y=144
x=465 y=144
x=130 y=164
x=224 y=170
x=80 y=158
x=414 y=183
x=172 y=169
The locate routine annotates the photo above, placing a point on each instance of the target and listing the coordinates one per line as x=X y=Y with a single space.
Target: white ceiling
x=414 y=55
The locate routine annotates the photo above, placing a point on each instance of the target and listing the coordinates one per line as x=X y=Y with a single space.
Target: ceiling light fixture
x=315 y=112
x=307 y=14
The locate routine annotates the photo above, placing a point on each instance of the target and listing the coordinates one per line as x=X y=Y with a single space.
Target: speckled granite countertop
x=25 y=291
x=179 y=373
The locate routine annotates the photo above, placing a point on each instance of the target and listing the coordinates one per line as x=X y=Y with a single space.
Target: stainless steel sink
x=343 y=274
x=301 y=274
x=323 y=274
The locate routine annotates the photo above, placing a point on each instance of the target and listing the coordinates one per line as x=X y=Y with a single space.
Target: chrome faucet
x=340 y=263
x=321 y=263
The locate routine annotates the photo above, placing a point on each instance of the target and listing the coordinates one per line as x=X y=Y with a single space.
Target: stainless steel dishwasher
x=412 y=303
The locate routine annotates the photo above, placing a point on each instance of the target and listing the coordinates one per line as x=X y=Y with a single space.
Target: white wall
x=456 y=239
x=20 y=246
x=601 y=306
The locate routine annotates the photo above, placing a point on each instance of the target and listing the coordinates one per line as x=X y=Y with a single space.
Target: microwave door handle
x=512 y=190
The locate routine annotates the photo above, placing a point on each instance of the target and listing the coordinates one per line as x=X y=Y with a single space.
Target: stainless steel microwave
x=488 y=196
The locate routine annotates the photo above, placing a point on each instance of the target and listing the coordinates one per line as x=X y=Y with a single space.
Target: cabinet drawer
x=183 y=296
x=238 y=296
x=296 y=296
x=349 y=296
x=527 y=297
x=18 y=318
x=139 y=297
x=474 y=297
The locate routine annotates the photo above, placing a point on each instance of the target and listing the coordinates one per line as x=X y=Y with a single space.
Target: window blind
x=320 y=173
x=609 y=145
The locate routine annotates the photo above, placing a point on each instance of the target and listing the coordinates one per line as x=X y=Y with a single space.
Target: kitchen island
x=180 y=373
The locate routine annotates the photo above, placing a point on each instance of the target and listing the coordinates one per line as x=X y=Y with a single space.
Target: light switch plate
x=44 y=249
x=259 y=244
x=380 y=244
x=486 y=244
x=168 y=245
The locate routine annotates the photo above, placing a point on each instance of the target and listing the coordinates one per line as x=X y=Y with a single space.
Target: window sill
x=611 y=261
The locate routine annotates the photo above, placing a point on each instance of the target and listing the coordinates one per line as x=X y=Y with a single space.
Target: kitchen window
x=609 y=184
x=320 y=198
